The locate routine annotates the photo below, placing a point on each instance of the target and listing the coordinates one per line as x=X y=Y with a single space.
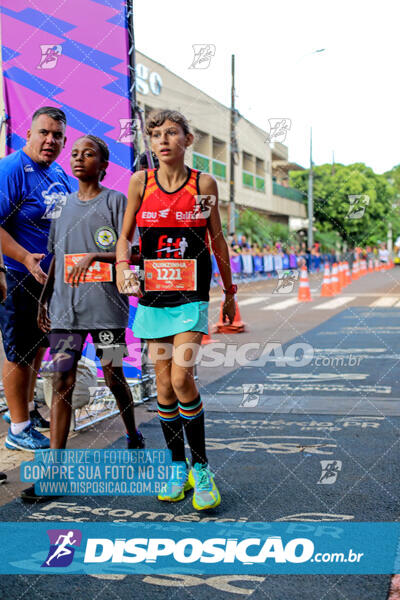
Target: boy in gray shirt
x=80 y=296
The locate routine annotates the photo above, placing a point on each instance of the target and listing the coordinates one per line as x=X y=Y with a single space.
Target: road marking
x=281 y=305
x=397 y=305
x=251 y=301
x=385 y=301
x=335 y=303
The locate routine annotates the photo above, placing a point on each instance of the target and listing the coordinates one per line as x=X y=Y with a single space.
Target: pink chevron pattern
x=88 y=79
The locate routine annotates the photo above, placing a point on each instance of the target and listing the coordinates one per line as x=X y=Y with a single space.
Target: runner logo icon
x=54 y=200
x=62 y=547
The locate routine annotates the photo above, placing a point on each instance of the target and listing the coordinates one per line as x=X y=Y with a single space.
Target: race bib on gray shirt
x=87 y=226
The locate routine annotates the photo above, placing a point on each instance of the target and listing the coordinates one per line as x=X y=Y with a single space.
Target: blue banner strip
x=200 y=548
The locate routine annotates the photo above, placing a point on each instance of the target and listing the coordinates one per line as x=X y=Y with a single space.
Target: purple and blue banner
x=74 y=56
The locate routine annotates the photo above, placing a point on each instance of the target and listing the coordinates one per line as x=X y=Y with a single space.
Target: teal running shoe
x=206 y=494
x=177 y=484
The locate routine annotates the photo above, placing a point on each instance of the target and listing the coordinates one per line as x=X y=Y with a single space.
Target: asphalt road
x=325 y=388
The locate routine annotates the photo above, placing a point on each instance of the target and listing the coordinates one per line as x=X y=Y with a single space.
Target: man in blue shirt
x=33 y=190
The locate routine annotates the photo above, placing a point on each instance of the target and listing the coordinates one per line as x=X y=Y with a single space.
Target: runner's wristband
x=124 y=260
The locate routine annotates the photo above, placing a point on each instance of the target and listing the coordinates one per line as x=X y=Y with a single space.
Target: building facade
x=158 y=88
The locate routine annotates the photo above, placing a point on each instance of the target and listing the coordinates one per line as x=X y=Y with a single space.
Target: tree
x=352 y=200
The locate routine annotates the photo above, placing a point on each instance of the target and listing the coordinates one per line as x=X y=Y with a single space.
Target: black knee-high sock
x=192 y=415
x=171 y=425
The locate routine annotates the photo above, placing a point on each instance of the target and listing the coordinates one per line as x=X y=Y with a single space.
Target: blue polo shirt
x=31 y=196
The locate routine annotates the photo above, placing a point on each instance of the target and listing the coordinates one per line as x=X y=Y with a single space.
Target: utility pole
x=136 y=111
x=233 y=150
x=310 y=199
x=136 y=116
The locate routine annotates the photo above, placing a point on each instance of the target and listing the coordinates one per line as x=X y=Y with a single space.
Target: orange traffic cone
x=304 y=294
x=238 y=326
x=342 y=281
x=347 y=273
x=335 y=280
x=326 y=289
x=207 y=339
x=355 y=270
x=370 y=266
x=376 y=265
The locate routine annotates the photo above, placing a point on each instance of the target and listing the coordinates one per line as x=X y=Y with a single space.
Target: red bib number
x=170 y=274
x=98 y=271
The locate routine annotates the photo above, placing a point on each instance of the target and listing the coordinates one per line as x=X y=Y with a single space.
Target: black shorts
x=22 y=338
x=67 y=345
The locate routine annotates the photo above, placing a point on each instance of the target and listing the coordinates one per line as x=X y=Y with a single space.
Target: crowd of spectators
x=251 y=261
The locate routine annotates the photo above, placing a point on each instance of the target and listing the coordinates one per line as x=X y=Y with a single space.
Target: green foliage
x=260 y=230
x=333 y=211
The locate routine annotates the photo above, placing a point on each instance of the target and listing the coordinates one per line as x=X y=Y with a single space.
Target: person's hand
x=3 y=287
x=32 y=263
x=127 y=281
x=79 y=271
x=229 y=308
x=43 y=320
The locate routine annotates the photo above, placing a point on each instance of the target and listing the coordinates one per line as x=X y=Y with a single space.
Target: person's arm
x=208 y=186
x=127 y=281
x=30 y=260
x=42 y=317
x=78 y=272
x=11 y=196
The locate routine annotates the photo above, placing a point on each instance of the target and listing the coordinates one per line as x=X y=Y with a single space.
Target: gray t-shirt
x=87 y=226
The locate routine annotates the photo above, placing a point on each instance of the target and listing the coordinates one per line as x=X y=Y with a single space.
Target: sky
x=349 y=94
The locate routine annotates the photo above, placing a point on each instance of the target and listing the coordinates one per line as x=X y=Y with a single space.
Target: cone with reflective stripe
x=347 y=273
x=304 y=294
x=370 y=265
x=355 y=270
x=364 y=267
x=335 y=279
x=326 y=289
x=238 y=326
x=342 y=282
x=376 y=265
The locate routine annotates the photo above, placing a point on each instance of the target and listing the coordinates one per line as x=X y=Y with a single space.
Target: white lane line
x=335 y=303
x=397 y=305
x=385 y=301
x=251 y=301
x=281 y=305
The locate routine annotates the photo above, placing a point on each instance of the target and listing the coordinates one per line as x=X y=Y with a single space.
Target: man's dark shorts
x=67 y=346
x=22 y=338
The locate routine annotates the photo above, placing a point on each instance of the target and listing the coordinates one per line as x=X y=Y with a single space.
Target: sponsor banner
x=99 y=472
x=51 y=58
x=195 y=548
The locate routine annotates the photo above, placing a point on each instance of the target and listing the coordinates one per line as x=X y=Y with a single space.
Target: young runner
x=174 y=207
x=84 y=298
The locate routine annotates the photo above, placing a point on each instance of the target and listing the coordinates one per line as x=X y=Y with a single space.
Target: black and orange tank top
x=173 y=225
